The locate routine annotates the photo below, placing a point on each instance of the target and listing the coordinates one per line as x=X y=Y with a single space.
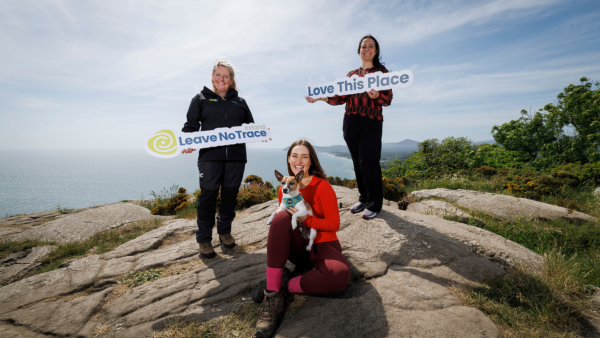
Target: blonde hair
x=229 y=68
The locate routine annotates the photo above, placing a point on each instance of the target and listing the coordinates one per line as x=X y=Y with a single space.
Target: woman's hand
x=292 y=211
x=311 y=100
x=188 y=151
x=373 y=94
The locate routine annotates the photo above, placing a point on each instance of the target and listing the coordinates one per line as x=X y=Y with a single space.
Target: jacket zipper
x=226 y=125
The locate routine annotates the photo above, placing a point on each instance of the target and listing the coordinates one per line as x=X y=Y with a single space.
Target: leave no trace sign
x=166 y=143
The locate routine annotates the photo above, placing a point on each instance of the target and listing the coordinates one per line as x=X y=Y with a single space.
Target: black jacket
x=210 y=111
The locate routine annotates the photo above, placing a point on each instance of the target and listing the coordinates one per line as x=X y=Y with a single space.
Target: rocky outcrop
x=440 y=209
x=83 y=225
x=502 y=206
x=401 y=262
x=20 y=263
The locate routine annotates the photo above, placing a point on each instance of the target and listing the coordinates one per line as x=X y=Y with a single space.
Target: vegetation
x=99 y=243
x=136 y=278
x=550 y=156
x=526 y=304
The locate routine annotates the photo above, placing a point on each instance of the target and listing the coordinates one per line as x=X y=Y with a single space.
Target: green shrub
x=393 y=189
x=254 y=179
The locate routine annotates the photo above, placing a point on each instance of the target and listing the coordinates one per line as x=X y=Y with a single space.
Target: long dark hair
x=315 y=167
x=377 y=58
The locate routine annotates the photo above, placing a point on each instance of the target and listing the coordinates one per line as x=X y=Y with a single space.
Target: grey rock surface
x=438 y=208
x=401 y=262
x=31 y=219
x=502 y=206
x=22 y=262
x=83 y=225
x=597 y=192
x=7 y=232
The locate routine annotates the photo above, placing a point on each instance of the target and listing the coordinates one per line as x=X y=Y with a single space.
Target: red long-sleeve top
x=361 y=103
x=326 y=215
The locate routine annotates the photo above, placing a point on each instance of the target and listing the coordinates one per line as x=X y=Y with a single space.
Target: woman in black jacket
x=220 y=167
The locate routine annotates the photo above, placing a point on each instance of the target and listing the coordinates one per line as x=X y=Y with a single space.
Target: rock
x=7 y=233
x=22 y=262
x=30 y=220
x=62 y=318
x=597 y=192
x=83 y=225
x=439 y=208
x=406 y=302
x=502 y=206
x=401 y=264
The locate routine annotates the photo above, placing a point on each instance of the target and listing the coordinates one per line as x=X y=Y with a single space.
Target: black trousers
x=223 y=175
x=363 y=138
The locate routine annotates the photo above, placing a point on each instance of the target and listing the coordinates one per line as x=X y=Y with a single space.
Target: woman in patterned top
x=363 y=124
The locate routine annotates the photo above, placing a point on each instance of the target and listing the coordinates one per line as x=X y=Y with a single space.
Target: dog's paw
x=308 y=247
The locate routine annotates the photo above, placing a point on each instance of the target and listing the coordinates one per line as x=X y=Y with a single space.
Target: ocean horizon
x=41 y=180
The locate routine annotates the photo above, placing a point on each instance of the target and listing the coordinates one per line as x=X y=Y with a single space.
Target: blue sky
x=104 y=74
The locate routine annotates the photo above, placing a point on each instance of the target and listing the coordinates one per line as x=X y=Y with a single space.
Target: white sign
x=166 y=143
x=356 y=84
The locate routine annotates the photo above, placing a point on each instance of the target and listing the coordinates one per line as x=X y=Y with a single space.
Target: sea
x=41 y=180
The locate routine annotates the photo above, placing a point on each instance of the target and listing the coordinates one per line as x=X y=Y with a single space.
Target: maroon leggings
x=332 y=271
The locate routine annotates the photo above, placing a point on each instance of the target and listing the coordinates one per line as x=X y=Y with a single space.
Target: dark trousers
x=332 y=270
x=363 y=138
x=214 y=175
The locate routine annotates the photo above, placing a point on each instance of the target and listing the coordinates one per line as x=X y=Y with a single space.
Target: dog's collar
x=291 y=202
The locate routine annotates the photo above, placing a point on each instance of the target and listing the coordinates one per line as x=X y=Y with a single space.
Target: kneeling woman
x=332 y=271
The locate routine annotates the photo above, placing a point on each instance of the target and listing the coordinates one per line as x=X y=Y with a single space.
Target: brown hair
x=231 y=72
x=377 y=58
x=315 y=166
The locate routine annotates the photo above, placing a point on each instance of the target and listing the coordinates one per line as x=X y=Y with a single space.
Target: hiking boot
x=207 y=250
x=367 y=214
x=227 y=241
x=357 y=207
x=258 y=291
x=271 y=314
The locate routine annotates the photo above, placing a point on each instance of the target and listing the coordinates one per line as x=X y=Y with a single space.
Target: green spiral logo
x=163 y=143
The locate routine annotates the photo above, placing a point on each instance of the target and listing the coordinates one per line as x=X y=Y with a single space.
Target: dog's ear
x=299 y=176
x=278 y=176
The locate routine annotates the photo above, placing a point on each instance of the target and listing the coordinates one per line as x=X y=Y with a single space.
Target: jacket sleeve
x=385 y=97
x=193 y=117
x=331 y=213
x=248 y=118
x=336 y=100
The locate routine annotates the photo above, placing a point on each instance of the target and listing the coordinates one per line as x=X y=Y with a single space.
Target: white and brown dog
x=292 y=198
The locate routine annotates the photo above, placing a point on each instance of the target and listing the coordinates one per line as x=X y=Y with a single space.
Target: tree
x=546 y=136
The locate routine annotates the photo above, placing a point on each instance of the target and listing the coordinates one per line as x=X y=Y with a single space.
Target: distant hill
x=402 y=146
x=389 y=151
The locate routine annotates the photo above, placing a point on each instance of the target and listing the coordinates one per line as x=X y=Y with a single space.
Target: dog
x=292 y=198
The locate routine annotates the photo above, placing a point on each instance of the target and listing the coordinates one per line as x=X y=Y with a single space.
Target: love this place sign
x=167 y=143
x=356 y=84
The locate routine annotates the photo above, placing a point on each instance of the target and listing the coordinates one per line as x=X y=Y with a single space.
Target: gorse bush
x=393 y=188
x=342 y=182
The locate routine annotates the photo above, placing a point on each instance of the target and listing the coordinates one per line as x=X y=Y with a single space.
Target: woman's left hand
x=292 y=211
x=373 y=94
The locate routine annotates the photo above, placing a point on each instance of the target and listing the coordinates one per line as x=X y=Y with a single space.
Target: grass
x=136 y=278
x=8 y=248
x=577 y=241
x=524 y=303
x=240 y=323
x=99 y=243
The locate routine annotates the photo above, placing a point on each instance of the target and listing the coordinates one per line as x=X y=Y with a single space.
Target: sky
x=106 y=74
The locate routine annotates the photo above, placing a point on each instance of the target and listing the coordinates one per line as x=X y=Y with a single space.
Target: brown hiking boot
x=258 y=291
x=227 y=241
x=271 y=314
x=207 y=250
